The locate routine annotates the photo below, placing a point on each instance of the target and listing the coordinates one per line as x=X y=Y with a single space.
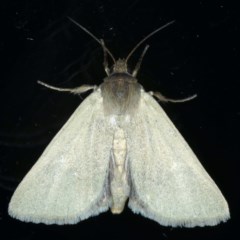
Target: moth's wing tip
x=44 y=220
x=19 y=214
x=22 y=210
x=51 y=219
x=174 y=222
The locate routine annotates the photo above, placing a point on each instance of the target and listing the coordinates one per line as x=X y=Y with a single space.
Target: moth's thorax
x=120 y=66
x=121 y=93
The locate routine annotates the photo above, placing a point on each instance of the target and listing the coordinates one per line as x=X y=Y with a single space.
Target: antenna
x=148 y=36
x=94 y=37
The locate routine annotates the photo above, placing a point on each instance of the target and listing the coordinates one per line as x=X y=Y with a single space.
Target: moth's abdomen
x=119 y=185
x=121 y=94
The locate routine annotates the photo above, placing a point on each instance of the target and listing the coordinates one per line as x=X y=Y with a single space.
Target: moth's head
x=120 y=66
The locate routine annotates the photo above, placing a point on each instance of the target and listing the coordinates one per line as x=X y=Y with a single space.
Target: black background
x=198 y=54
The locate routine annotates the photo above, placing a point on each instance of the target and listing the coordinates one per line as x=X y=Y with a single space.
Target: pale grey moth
x=119 y=145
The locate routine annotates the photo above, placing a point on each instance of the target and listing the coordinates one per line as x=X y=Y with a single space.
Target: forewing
x=69 y=181
x=169 y=185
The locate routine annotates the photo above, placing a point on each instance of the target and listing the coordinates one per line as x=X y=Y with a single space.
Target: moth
x=119 y=146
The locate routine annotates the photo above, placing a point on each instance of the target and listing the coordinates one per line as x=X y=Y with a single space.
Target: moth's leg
x=138 y=65
x=105 y=61
x=162 y=98
x=77 y=90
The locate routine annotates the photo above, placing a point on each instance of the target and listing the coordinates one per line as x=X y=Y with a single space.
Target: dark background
x=198 y=54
